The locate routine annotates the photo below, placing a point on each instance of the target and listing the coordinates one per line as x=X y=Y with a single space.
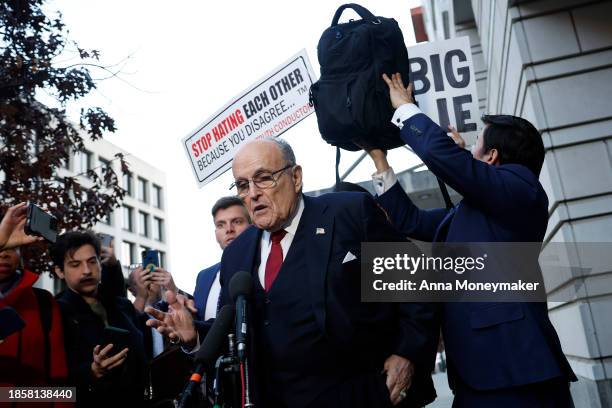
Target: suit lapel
x=210 y=277
x=245 y=250
x=317 y=225
x=248 y=252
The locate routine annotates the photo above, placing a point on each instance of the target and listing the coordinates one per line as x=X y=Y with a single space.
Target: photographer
x=499 y=354
x=106 y=369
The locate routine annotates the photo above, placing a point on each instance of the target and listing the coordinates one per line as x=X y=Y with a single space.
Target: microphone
x=240 y=288
x=210 y=349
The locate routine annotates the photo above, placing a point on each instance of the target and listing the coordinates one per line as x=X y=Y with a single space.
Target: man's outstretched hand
x=398 y=93
x=177 y=323
x=456 y=136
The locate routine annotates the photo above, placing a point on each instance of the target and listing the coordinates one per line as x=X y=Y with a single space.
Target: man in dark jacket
x=104 y=373
x=499 y=354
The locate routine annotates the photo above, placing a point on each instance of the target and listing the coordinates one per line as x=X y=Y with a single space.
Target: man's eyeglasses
x=263 y=180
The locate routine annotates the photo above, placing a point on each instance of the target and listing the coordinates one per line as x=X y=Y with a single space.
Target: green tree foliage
x=37 y=138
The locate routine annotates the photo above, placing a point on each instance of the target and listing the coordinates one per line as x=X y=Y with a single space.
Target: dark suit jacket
x=204 y=282
x=366 y=329
x=83 y=330
x=489 y=345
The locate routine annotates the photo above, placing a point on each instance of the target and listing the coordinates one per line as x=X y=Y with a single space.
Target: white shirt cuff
x=384 y=180
x=195 y=348
x=403 y=113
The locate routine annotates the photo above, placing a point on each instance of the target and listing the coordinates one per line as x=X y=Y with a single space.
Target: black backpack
x=351 y=99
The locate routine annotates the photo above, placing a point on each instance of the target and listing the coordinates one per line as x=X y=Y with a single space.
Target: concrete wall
x=551 y=62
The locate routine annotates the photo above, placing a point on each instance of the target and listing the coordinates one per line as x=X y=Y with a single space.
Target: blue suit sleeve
x=407 y=218
x=495 y=190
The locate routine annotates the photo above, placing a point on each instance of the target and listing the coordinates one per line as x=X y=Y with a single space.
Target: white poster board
x=267 y=109
x=445 y=84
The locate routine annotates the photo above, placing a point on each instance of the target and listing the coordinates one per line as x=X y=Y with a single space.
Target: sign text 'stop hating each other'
x=265 y=110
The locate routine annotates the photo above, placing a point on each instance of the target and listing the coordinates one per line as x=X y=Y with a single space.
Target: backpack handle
x=362 y=11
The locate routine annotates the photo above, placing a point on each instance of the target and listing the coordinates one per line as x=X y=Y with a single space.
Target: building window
x=143 y=224
x=445 y=25
x=142 y=249
x=66 y=163
x=158 y=229
x=433 y=14
x=143 y=186
x=82 y=162
x=127 y=183
x=158 y=201
x=162 y=260
x=128 y=257
x=107 y=219
x=127 y=218
x=103 y=164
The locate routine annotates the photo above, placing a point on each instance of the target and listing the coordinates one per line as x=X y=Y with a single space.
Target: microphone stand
x=231 y=366
x=247 y=397
x=191 y=387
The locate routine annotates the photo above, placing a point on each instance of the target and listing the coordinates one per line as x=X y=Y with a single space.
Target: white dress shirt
x=210 y=310
x=266 y=244
x=265 y=247
x=403 y=113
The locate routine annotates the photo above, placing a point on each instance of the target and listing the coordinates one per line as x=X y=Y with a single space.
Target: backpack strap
x=445 y=195
x=46 y=318
x=337 y=165
x=362 y=11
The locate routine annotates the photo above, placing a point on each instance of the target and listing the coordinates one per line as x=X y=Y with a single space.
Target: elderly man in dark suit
x=314 y=343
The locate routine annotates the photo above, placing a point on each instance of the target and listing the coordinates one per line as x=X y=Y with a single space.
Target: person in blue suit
x=230 y=218
x=313 y=343
x=499 y=354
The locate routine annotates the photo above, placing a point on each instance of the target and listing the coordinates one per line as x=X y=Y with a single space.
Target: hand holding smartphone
x=105 y=239
x=116 y=336
x=150 y=260
x=39 y=223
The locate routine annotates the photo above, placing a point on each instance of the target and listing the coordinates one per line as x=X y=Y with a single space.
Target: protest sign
x=445 y=85
x=267 y=109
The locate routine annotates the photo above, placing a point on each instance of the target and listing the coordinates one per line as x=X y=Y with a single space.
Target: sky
x=183 y=60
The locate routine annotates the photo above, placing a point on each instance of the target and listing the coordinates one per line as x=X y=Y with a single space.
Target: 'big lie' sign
x=267 y=109
x=444 y=83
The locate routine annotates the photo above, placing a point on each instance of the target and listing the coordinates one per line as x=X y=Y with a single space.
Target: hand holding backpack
x=351 y=99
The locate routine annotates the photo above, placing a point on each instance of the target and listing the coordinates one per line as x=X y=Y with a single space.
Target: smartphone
x=105 y=239
x=10 y=322
x=150 y=260
x=119 y=338
x=40 y=224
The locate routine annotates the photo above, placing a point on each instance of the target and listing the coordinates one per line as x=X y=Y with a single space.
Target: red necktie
x=275 y=259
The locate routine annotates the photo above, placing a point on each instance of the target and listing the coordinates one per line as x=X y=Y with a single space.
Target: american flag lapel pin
x=320 y=231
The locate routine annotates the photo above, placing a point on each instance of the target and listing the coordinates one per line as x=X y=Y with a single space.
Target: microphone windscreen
x=241 y=284
x=212 y=345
